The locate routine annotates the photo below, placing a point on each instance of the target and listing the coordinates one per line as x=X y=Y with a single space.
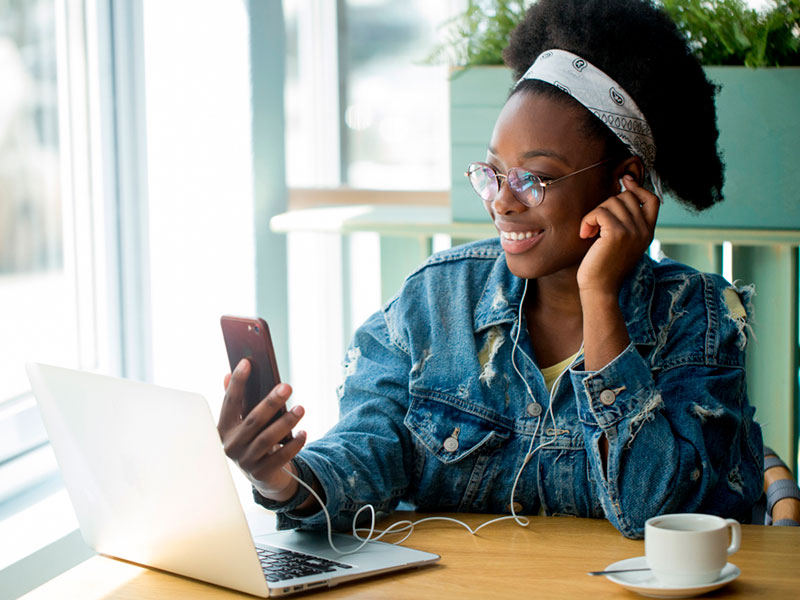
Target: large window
x=396 y=123
x=126 y=212
x=37 y=291
x=363 y=109
x=55 y=264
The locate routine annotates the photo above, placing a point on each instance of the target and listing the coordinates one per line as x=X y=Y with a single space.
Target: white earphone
x=622 y=187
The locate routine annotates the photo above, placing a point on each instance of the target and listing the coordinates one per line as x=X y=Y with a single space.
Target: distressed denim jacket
x=433 y=413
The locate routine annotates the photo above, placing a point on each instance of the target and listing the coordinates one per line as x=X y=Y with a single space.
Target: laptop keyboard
x=279 y=564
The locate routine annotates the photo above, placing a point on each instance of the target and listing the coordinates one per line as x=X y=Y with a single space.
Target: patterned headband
x=604 y=97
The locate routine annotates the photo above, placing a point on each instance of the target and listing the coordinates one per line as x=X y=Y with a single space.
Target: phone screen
x=249 y=338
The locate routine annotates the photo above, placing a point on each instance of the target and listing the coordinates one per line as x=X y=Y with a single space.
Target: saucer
x=646 y=584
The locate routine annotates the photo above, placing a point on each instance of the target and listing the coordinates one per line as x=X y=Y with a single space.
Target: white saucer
x=646 y=584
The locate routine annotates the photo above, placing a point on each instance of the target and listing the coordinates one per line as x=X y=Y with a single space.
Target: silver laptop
x=150 y=483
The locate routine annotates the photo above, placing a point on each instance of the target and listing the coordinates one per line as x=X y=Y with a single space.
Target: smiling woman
x=555 y=368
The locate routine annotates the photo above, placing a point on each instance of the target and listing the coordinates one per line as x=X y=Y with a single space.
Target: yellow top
x=551 y=373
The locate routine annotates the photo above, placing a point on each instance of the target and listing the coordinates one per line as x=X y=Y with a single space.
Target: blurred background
x=144 y=147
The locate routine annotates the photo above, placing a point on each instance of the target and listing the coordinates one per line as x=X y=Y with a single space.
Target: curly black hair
x=637 y=44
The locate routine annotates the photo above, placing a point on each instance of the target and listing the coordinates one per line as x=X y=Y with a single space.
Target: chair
x=779 y=484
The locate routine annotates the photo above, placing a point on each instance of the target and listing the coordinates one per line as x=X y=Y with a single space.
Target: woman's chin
x=525 y=268
x=522 y=269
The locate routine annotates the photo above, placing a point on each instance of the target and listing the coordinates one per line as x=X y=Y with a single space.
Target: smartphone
x=249 y=338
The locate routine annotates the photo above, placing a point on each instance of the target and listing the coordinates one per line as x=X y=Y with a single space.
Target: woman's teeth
x=518 y=235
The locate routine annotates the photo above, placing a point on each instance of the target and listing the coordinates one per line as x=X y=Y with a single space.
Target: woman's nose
x=505 y=202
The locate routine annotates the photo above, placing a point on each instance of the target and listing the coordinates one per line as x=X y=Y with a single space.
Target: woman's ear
x=632 y=166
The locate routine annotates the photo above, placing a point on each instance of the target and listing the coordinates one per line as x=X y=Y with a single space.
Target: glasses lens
x=527 y=187
x=483 y=181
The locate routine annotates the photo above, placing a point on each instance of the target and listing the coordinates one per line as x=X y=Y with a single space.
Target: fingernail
x=298 y=410
x=300 y=434
x=241 y=366
x=283 y=390
x=628 y=177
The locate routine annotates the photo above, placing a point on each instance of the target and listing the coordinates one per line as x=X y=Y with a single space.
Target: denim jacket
x=433 y=413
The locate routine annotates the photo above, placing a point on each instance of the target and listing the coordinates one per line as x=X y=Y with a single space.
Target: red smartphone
x=249 y=338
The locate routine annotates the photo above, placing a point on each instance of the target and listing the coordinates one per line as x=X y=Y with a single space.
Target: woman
x=555 y=368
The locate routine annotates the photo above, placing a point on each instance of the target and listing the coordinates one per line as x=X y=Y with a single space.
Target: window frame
x=323 y=71
x=22 y=430
x=101 y=146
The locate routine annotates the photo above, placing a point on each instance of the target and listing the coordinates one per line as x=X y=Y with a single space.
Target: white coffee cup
x=689 y=549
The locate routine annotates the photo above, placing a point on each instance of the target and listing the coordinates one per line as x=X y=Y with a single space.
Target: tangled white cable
x=404 y=526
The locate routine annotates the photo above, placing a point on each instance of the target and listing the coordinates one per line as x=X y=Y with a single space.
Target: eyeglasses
x=527 y=187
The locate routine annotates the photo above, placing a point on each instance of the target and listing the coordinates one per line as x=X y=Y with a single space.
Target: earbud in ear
x=622 y=187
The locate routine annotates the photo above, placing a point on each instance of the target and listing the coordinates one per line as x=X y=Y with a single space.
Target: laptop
x=150 y=484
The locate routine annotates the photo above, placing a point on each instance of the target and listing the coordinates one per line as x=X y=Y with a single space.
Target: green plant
x=727 y=32
x=478 y=35
x=720 y=32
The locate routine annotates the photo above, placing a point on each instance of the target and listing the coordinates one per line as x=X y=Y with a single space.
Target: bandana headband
x=602 y=96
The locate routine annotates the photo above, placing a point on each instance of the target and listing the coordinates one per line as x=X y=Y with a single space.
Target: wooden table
x=548 y=559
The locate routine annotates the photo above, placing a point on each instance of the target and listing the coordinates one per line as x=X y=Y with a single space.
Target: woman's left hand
x=625 y=224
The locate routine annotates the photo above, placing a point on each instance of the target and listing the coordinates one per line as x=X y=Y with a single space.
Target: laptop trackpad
x=374 y=554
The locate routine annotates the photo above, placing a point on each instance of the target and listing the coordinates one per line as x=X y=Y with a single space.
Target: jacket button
x=516 y=506
x=607 y=397
x=534 y=409
x=451 y=444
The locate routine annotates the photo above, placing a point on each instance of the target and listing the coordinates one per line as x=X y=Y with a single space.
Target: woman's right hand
x=255 y=449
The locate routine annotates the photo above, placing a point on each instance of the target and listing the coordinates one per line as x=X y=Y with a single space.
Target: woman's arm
x=624 y=226
x=674 y=436
x=678 y=429
x=365 y=458
x=605 y=337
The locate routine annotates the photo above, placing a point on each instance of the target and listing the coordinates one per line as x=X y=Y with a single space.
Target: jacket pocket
x=456 y=444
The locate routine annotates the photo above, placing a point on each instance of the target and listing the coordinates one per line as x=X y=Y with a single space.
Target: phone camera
x=257 y=329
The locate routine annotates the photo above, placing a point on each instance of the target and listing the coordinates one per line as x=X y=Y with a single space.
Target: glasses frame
x=518 y=194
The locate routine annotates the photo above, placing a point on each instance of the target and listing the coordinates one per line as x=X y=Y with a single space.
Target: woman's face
x=543 y=136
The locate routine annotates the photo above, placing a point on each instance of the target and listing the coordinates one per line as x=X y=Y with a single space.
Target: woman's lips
x=516 y=242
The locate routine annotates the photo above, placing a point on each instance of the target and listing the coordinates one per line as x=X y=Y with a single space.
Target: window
x=362 y=111
x=149 y=244
x=53 y=264
x=37 y=293
x=362 y=107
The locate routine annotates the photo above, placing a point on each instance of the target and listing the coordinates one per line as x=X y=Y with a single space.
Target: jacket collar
x=500 y=299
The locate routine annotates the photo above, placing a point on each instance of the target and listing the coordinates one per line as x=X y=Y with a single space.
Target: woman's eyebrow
x=536 y=153
x=547 y=153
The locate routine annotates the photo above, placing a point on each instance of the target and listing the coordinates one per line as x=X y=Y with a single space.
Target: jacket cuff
x=621 y=389
x=315 y=466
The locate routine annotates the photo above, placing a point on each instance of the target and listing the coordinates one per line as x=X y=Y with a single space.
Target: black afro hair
x=638 y=45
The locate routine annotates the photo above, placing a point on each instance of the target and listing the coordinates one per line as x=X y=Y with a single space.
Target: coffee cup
x=689 y=549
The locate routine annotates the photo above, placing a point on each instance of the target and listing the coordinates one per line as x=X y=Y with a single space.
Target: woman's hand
x=625 y=224
x=256 y=449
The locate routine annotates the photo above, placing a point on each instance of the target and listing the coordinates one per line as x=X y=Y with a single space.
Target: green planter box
x=759 y=122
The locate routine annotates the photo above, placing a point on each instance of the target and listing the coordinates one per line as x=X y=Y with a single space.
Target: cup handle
x=736 y=535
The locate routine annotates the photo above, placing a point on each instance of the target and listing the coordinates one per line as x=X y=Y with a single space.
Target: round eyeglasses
x=527 y=187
